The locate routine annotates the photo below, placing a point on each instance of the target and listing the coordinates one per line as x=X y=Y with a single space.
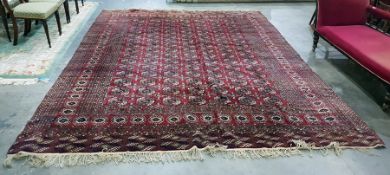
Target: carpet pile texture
x=149 y=86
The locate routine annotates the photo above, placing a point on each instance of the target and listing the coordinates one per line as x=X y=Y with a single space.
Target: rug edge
x=41 y=160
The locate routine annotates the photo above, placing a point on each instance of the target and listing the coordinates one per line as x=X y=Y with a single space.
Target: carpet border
x=45 y=160
x=78 y=159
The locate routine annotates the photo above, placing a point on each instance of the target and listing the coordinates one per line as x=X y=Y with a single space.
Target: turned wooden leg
x=66 y=6
x=77 y=6
x=15 y=26
x=386 y=103
x=44 y=22
x=316 y=38
x=58 y=22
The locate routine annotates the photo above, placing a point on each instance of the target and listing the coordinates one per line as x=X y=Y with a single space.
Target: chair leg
x=376 y=2
x=58 y=21
x=313 y=17
x=316 y=38
x=27 y=26
x=386 y=103
x=15 y=26
x=44 y=22
x=82 y=2
x=36 y=22
x=5 y=22
x=77 y=6
x=7 y=29
x=66 y=6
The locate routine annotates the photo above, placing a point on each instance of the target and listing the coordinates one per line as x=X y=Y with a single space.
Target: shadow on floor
x=369 y=83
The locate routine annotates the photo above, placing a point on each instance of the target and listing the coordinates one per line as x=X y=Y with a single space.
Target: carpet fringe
x=79 y=159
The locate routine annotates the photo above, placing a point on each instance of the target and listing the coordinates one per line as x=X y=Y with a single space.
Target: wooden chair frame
x=66 y=7
x=317 y=36
x=27 y=23
x=3 y=15
x=76 y=2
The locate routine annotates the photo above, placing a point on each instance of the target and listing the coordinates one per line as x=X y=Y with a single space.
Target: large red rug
x=161 y=85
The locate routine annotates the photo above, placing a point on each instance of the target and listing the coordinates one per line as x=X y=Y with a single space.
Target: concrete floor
x=18 y=103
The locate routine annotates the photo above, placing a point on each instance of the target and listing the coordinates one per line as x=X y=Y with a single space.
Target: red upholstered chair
x=343 y=24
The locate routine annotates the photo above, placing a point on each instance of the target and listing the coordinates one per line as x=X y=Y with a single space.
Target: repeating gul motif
x=154 y=80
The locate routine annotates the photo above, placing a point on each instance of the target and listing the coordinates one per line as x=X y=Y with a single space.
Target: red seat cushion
x=365 y=45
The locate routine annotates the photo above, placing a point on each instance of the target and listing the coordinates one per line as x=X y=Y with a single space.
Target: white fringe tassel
x=79 y=159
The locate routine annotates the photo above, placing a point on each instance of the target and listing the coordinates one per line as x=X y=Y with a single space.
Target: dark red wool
x=158 y=80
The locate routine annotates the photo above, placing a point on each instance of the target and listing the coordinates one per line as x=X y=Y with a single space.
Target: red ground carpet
x=149 y=86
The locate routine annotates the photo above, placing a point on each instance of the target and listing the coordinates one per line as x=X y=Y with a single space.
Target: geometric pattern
x=166 y=80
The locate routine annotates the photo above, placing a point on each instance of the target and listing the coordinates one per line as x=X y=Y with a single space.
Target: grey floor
x=359 y=89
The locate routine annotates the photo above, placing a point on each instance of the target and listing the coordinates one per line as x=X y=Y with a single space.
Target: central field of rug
x=151 y=86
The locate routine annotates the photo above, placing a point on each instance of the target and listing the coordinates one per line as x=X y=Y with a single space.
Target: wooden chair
x=59 y=3
x=75 y=1
x=33 y=11
x=3 y=15
x=77 y=5
x=65 y=2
